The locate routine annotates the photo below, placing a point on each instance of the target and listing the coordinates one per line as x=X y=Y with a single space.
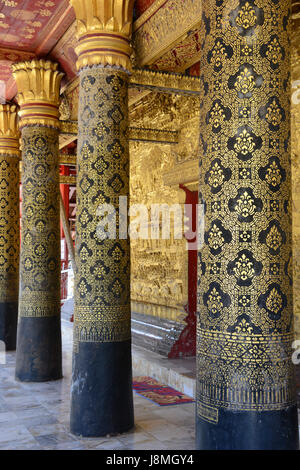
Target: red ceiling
x=141 y=6
x=29 y=28
x=23 y=24
x=39 y=28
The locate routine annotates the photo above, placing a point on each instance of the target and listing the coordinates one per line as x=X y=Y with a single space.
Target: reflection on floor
x=36 y=416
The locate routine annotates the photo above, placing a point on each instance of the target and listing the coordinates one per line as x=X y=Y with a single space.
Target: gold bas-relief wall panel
x=295 y=125
x=295 y=151
x=158 y=267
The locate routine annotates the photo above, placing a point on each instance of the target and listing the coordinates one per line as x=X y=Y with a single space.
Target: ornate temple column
x=39 y=334
x=9 y=224
x=245 y=381
x=102 y=380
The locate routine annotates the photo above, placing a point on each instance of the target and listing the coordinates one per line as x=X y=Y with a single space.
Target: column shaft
x=9 y=225
x=39 y=333
x=102 y=401
x=102 y=379
x=245 y=379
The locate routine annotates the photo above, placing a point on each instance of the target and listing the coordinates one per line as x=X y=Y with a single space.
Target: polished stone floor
x=36 y=416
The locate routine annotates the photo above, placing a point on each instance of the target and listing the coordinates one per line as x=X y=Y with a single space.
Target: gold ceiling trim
x=151 y=10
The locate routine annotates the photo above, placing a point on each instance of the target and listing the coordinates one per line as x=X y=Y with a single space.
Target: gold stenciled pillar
x=102 y=380
x=245 y=381
x=9 y=224
x=39 y=334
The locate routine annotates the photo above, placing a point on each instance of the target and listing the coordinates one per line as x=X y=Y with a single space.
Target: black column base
x=250 y=430
x=39 y=355
x=102 y=401
x=8 y=324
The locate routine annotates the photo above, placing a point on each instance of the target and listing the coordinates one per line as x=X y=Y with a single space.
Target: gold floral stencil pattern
x=40 y=253
x=102 y=292
x=245 y=306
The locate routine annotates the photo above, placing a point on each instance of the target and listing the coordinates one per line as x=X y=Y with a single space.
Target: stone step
x=177 y=373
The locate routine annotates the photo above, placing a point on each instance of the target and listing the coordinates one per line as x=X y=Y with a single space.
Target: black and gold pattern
x=102 y=292
x=9 y=227
x=40 y=250
x=245 y=295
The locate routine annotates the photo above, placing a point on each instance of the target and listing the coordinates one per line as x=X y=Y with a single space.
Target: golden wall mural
x=295 y=147
x=158 y=267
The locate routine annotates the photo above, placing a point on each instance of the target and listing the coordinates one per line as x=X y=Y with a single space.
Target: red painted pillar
x=64 y=189
x=186 y=344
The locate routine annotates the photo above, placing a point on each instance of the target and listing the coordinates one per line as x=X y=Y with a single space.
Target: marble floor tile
x=46 y=429
x=15 y=433
x=36 y=416
x=48 y=440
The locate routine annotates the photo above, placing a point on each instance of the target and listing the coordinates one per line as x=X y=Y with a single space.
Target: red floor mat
x=162 y=395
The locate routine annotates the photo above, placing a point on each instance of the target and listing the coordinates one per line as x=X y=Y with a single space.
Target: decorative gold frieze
x=153 y=135
x=64 y=109
x=9 y=131
x=103 y=32
x=162 y=26
x=38 y=83
x=69 y=127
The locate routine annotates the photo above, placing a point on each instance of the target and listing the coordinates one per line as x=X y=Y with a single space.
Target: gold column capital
x=9 y=131
x=103 y=32
x=38 y=84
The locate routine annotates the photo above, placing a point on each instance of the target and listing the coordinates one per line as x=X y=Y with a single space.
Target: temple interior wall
x=159 y=267
x=295 y=151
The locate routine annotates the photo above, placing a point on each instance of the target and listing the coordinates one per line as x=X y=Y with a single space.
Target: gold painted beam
x=157 y=81
x=67 y=159
x=69 y=127
x=135 y=134
x=153 y=135
x=64 y=179
x=164 y=82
